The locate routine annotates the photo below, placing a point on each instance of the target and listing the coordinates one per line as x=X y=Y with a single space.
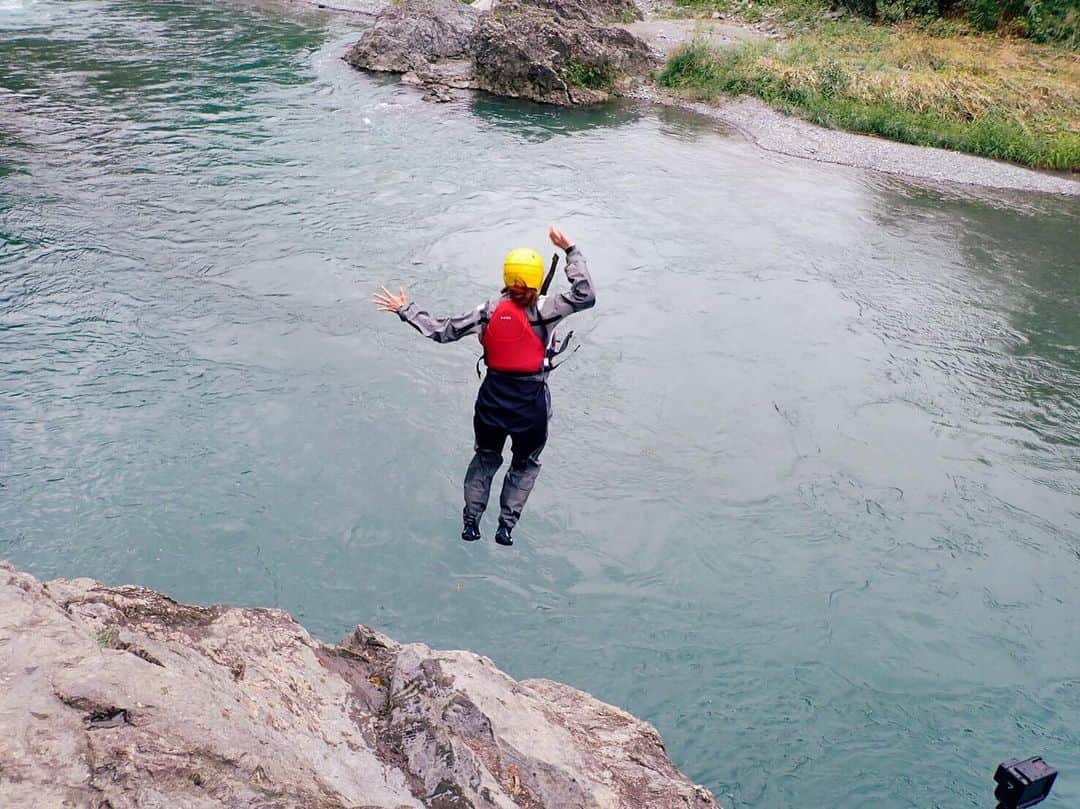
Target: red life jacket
x=510 y=344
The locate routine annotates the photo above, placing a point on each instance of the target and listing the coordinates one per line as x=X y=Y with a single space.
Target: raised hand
x=389 y=302
x=559 y=239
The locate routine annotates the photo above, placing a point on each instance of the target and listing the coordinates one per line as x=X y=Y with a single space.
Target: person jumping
x=517 y=333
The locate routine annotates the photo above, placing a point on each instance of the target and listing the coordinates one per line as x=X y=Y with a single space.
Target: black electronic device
x=1023 y=783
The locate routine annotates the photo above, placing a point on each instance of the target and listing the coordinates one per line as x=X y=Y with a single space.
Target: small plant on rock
x=106 y=637
x=592 y=77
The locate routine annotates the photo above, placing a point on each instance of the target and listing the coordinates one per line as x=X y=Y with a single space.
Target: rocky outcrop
x=524 y=50
x=415 y=34
x=121 y=697
x=563 y=52
x=596 y=11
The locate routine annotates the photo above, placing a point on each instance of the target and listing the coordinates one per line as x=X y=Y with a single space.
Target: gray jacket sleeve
x=445 y=329
x=579 y=297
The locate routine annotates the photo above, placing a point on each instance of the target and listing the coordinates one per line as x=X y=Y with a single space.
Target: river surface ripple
x=811 y=502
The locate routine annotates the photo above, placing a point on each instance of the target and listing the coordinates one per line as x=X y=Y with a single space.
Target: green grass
x=593 y=77
x=106 y=637
x=998 y=98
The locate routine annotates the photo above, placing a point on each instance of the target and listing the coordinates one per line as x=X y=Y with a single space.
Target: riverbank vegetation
x=928 y=81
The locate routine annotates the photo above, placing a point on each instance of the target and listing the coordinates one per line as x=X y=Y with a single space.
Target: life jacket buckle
x=553 y=352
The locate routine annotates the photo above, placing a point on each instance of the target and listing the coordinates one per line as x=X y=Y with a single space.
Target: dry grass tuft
x=999 y=97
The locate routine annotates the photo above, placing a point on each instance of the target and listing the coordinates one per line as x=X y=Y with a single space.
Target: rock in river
x=121 y=697
x=413 y=35
x=563 y=52
x=527 y=50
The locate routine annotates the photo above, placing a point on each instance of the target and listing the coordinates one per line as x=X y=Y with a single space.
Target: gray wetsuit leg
x=482 y=468
x=521 y=476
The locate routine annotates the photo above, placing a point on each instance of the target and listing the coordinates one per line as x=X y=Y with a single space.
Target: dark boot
x=471 y=530
x=502 y=535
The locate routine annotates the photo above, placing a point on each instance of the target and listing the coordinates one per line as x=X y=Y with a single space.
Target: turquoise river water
x=811 y=503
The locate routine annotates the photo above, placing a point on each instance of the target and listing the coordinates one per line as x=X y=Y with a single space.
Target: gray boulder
x=121 y=697
x=523 y=50
x=595 y=11
x=414 y=35
x=555 y=51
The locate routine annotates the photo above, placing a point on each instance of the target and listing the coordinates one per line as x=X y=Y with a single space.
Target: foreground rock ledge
x=121 y=697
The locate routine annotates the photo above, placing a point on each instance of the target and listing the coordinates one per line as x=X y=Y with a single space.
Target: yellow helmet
x=525 y=265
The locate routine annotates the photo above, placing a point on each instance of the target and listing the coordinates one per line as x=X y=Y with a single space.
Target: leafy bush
x=896 y=10
x=1041 y=20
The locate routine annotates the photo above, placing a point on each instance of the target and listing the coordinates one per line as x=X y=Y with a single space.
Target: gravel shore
x=775 y=132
